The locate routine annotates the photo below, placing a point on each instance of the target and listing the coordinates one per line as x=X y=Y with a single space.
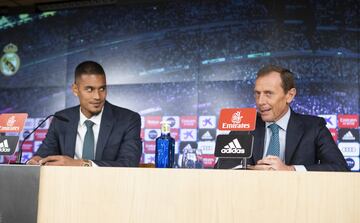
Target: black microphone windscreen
x=62 y=118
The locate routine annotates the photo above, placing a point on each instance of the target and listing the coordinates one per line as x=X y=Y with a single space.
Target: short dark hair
x=287 y=77
x=88 y=67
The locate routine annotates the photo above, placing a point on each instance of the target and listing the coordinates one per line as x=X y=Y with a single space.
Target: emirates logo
x=11 y=121
x=236 y=117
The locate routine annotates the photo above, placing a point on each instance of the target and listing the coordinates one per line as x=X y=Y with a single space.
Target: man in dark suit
x=94 y=133
x=283 y=139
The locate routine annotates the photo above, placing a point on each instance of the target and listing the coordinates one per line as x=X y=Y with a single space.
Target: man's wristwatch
x=86 y=163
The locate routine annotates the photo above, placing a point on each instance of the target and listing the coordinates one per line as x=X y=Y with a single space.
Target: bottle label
x=162 y=153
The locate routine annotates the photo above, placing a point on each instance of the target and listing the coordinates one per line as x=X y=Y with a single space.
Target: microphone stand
x=19 y=155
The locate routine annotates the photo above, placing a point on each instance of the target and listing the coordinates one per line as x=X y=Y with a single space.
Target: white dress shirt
x=282 y=123
x=81 y=131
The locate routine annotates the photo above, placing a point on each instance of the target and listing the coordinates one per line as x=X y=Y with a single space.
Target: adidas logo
x=206 y=135
x=4 y=146
x=348 y=136
x=233 y=147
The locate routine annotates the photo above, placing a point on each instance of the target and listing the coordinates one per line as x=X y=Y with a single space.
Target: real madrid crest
x=10 y=61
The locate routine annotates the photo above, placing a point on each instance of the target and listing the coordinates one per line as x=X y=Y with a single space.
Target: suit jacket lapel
x=107 y=122
x=71 y=132
x=294 y=132
x=259 y=135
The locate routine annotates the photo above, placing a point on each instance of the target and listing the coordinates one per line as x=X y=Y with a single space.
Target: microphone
x=19 y=155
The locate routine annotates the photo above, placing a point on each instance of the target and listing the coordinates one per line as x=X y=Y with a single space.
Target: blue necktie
x=88 y=147
x=274 y=145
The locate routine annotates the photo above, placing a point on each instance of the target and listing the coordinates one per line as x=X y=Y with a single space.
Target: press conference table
x=75 y=194
x=79 y=194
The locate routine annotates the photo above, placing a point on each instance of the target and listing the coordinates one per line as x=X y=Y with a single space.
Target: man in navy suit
x=283 y=139
x=94 y=133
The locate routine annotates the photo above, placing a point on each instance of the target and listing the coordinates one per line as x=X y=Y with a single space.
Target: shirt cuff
x=300 y=168
x=93 y=164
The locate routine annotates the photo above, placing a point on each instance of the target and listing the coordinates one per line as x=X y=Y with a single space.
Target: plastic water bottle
x=165 y=148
